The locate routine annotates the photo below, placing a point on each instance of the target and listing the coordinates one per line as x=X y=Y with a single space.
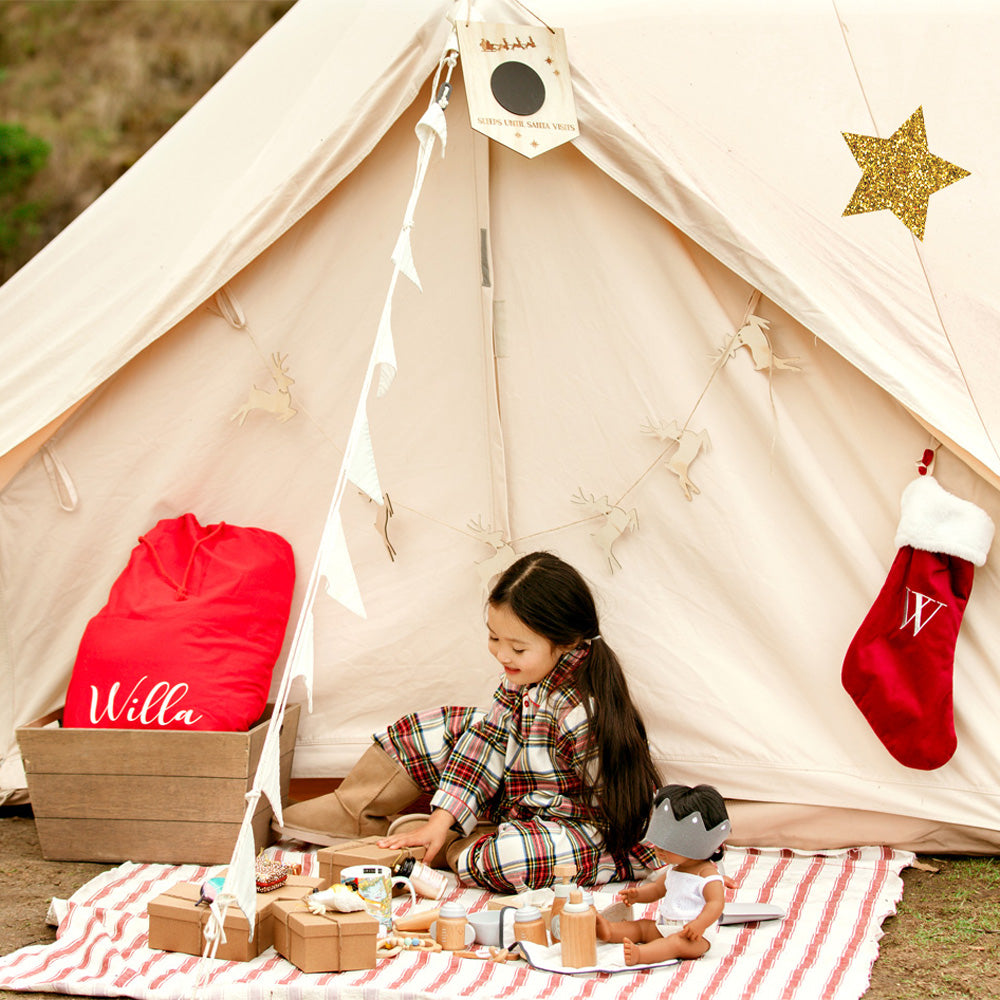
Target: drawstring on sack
x=180 y=588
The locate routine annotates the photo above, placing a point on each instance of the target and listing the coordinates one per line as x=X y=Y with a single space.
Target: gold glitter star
x=899 y=173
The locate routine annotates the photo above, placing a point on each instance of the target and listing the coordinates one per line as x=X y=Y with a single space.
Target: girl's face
x=526 y=656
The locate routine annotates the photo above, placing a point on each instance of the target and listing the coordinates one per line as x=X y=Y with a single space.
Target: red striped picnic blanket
x=822 y=950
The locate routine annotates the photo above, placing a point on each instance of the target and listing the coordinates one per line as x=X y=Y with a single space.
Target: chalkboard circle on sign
x=517 y=88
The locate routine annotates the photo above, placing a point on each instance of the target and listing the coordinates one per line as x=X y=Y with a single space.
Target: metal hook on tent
x=449 y=59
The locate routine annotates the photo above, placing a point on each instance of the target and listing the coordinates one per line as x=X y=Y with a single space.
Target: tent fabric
x=569 y=302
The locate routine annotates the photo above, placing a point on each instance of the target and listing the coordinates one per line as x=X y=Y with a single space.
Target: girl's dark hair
x=703 y=799
x=553 y=599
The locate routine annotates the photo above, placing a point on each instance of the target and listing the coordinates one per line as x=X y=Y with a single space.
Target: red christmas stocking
x=898 y=668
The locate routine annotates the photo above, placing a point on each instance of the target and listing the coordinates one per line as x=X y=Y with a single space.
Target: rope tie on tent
x=62 y=483
x=229 y=308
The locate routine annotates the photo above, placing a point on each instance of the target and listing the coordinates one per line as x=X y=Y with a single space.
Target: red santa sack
x=190 y=634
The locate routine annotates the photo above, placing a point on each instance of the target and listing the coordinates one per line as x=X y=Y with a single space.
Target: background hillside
x=99 y=81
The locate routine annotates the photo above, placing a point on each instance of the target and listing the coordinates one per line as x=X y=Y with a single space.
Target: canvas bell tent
x=577 y=311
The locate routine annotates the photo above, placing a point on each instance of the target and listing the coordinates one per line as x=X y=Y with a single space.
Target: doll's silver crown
x=686 y=836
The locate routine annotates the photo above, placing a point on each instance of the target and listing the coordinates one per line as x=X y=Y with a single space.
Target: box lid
x=179 y=902
x=301 y=920
x=367 y=852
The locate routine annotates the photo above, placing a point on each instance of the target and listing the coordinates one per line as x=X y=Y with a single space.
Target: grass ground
x=944 y=941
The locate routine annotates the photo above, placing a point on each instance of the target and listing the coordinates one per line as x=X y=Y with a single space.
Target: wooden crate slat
x=137 y=796
x=94 y=800
x=143 y=840
x=137 y=751
x=133 y=751
x=146 y=797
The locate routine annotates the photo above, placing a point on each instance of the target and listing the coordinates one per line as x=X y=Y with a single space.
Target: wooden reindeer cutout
x=616 y=522
x=384 y=511
x=277 y=401
x=503 y=554
x=753 y=337
x=689 y=445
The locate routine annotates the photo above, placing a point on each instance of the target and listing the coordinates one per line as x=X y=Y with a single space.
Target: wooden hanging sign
x=518 y=85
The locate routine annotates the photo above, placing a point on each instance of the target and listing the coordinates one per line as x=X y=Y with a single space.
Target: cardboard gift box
x=364 y=851
x=324 y=942
x=177 y=923
x=130 y=795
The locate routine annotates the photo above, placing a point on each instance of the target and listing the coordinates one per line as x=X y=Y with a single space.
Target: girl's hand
x=430 y=835
x=629 y=895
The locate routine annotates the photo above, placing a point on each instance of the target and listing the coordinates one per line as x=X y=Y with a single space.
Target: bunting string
x=332 y=561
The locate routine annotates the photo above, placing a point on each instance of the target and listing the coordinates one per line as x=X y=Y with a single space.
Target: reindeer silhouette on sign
x=689 y=445
x=616 y=522
x=503 y=554
x=752 y=336
x=277 y=401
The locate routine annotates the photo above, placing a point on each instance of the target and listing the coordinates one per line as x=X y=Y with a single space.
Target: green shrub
x=22 y=155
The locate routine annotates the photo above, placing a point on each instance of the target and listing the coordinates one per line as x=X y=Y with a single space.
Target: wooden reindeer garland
x=753 y=337
x=503 y=554
x=616 y=521
x=689 y=445
x=277 y=401
x=383 y=514
x=752 y=334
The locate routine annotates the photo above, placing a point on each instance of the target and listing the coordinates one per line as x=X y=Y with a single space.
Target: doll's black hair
x=704 y=799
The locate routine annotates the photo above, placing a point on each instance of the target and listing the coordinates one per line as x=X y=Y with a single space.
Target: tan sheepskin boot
x=376 y=788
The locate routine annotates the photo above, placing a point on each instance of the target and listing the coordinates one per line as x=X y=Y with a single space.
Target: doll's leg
x=661 y=949
x=617 y=931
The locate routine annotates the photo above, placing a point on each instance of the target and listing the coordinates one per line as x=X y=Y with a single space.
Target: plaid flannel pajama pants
x=511 y=854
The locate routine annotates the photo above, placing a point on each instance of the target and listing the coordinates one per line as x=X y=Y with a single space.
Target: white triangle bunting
x=241 y=877
x=402 y=256
x=302 y=662
x=269 y=772
x=432 y=124
x=385 y=352
x=336 y=567
x=361 y=469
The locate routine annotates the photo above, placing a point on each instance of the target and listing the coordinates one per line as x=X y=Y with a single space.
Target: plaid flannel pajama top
x=518 y=765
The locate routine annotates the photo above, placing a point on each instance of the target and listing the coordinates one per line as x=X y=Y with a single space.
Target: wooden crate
x=128 y=795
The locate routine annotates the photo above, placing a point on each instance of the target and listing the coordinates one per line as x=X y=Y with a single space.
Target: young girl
x=687 y=828
x=557 y=768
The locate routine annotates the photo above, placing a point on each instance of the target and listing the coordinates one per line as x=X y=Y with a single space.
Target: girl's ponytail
x=627 y=778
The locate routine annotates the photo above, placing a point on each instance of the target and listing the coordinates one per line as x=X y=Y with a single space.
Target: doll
x=687 y=829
